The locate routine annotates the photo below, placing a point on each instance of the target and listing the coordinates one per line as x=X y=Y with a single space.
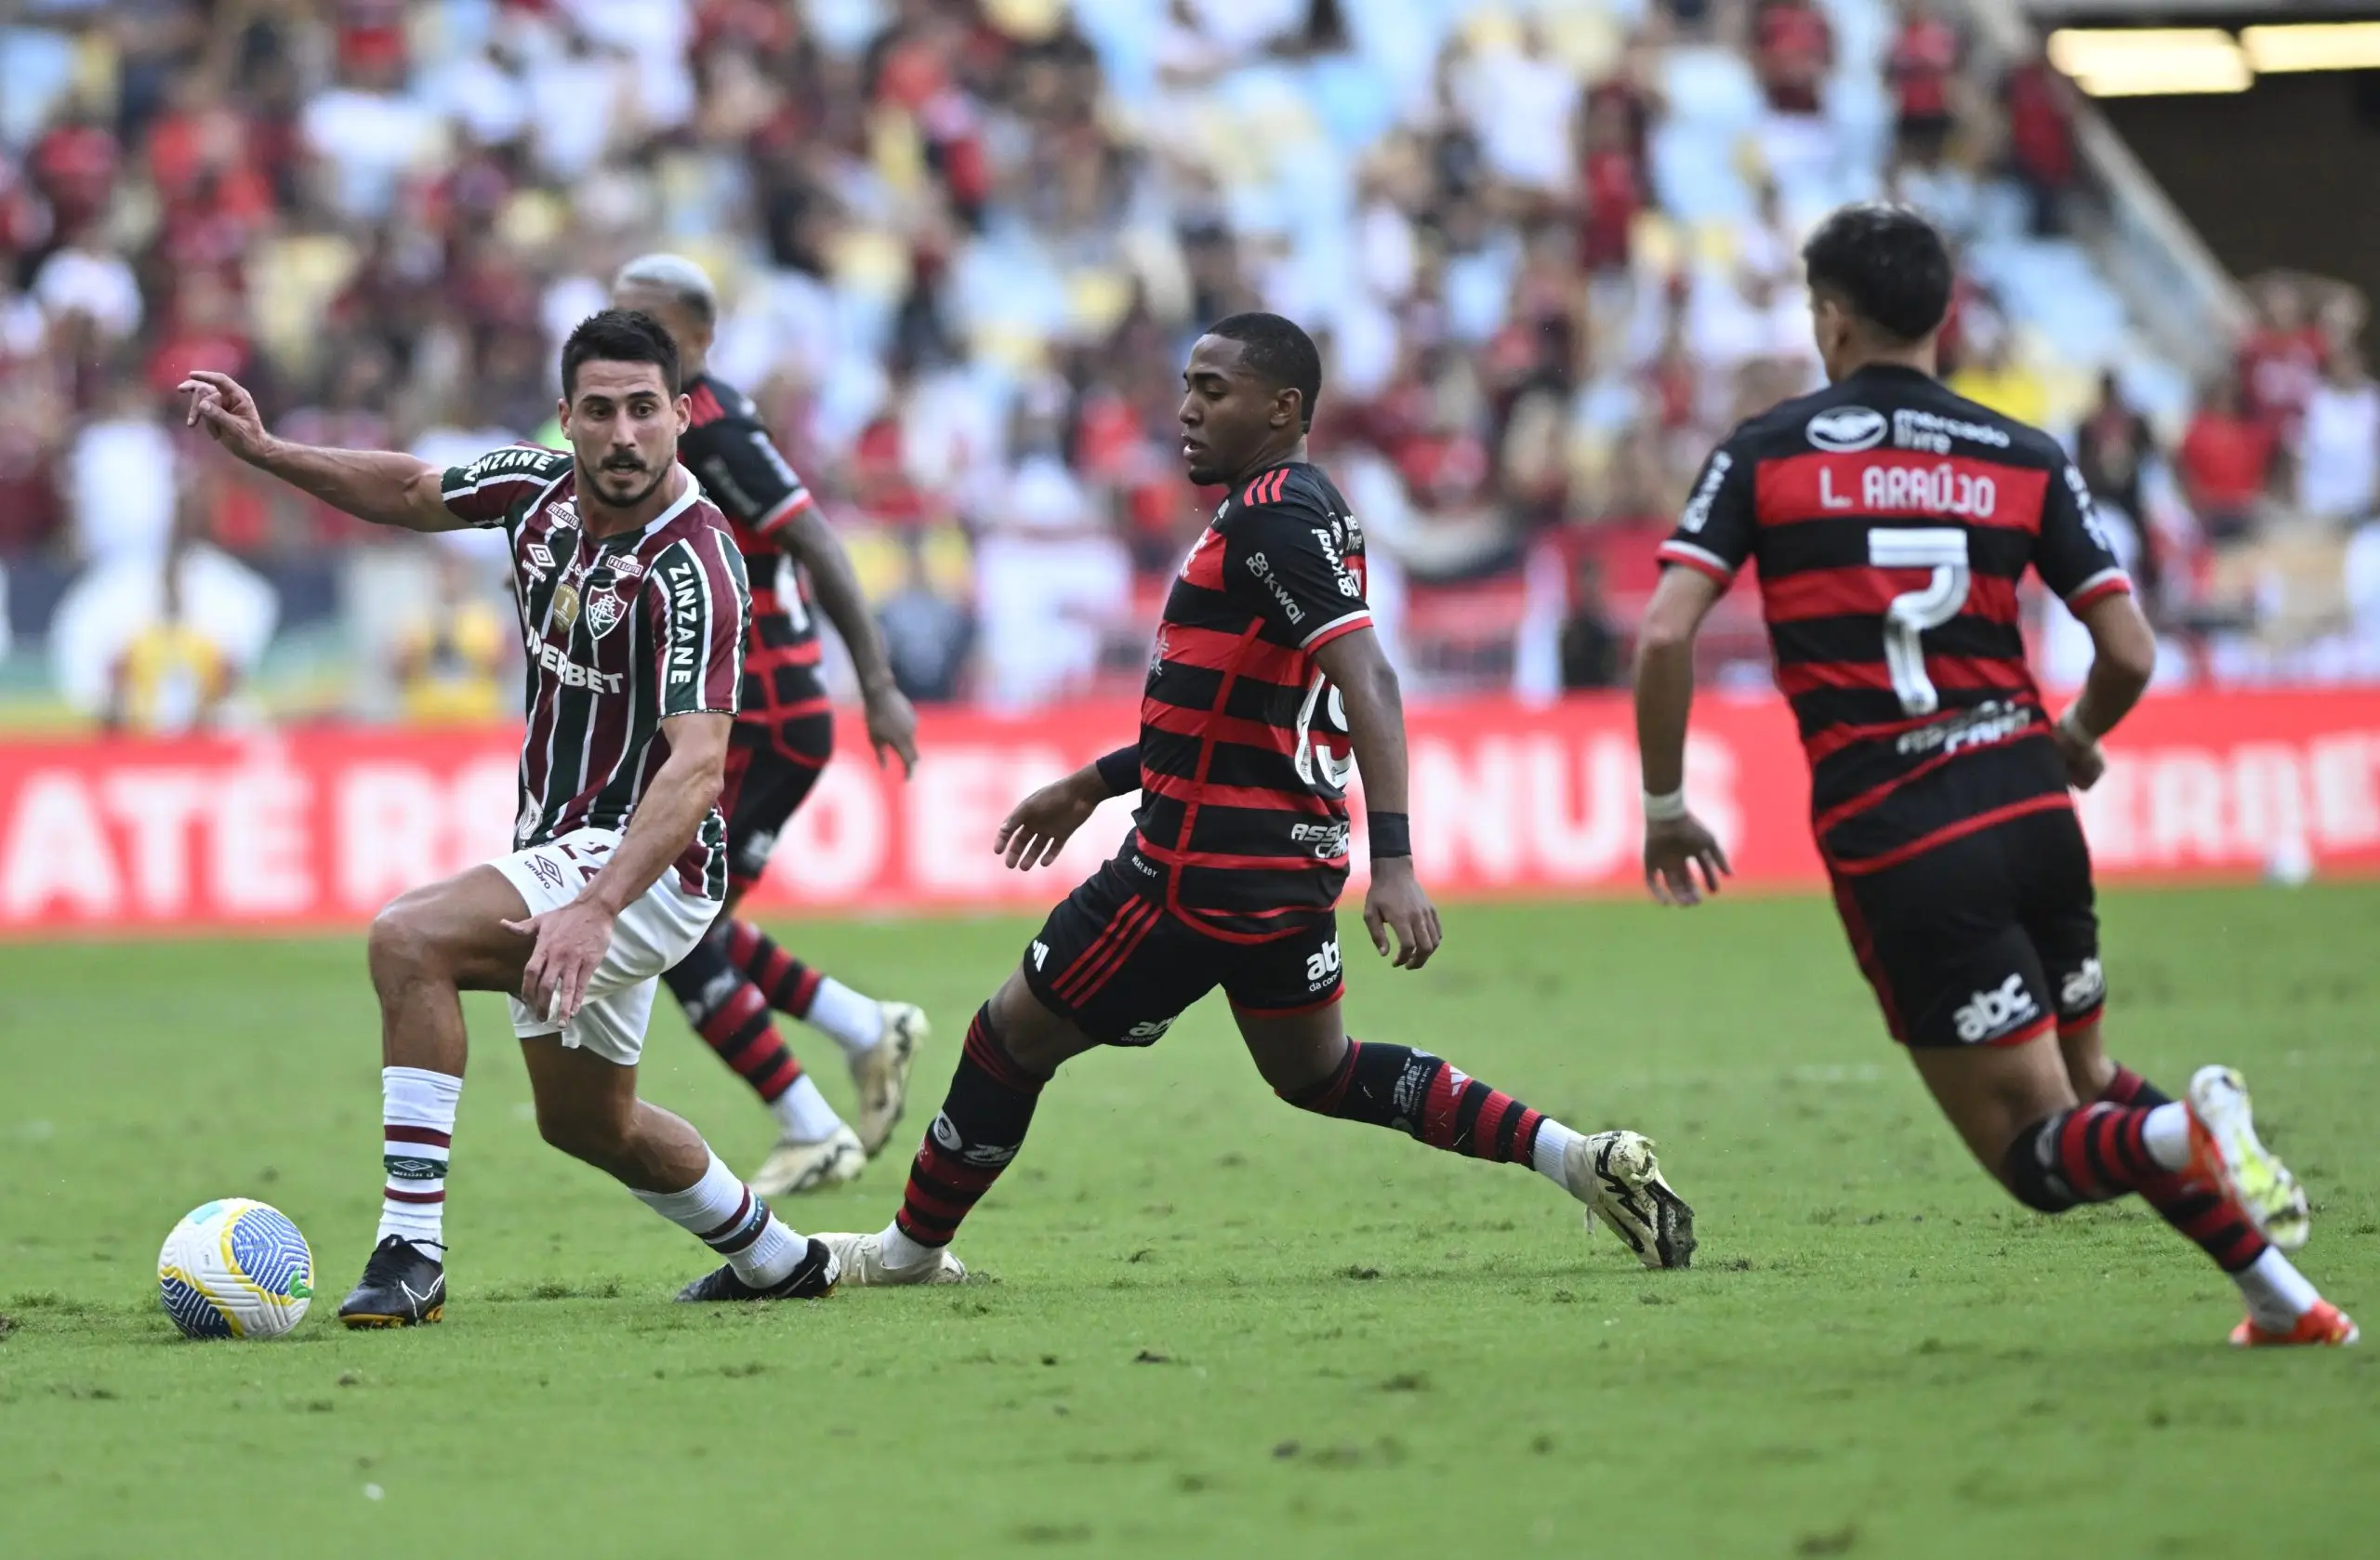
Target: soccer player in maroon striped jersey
x=632 y=604
x=784 y=736
x=1892 y=523
x=1266 y=690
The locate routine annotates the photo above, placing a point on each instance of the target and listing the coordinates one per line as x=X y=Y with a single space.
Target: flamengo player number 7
x=1945 y=552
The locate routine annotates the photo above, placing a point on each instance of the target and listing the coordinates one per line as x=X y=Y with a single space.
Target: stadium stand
x=1549 y=246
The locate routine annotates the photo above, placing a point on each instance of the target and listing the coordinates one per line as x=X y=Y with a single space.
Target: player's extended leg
x=1309 y=1060
x=425 y=948
x=879 y=1040
x=2017 y=1111
x=813 y=1148
x=771 y=771
x=588 y=1108
x=2278 y=1296
x=1014 y=1046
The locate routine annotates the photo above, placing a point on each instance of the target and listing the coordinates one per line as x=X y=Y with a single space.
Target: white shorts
x=651 y=936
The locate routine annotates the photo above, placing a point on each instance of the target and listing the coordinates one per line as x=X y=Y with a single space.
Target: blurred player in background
x=633 y=610
x=1267 y=688
x=1892 y=523
x=782 y=739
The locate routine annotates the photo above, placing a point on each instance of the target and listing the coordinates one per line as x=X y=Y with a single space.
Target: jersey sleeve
x=700 y=604
x=1714 y=532
x=741 y=469
x=1283 y=561
x=2075 y=556
x=486 y=492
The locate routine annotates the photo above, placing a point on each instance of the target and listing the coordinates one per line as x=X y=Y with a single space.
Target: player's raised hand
x=1038 y=828
x=571 y=940
x=892 y=728
x=1396 y=904
x=223 y=407
x=1675 y=850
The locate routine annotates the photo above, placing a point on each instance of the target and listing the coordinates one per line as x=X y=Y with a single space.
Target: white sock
x=1553 y=1145
x=900 y=1250
x=856 y=1023
x=416 y=1132
x=804 y=1113
x=2276 y=1292
x=721 y=1212
x=2166 y=1135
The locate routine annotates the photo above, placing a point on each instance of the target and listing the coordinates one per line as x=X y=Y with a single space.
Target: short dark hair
x=618 y=336
x=1278 y=349
x=1886 y=263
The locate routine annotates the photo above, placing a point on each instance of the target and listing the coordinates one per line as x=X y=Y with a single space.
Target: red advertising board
x=319 y=828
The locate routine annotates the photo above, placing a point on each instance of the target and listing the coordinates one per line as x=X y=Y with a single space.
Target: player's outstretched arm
x=1038 y=827
x=2123 y=658
x=891 y=722
x=383 y=486
x=1677 y=843
x=1396 y=904
x=572 y=939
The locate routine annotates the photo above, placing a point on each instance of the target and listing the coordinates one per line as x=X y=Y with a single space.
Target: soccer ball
x=235 y=1269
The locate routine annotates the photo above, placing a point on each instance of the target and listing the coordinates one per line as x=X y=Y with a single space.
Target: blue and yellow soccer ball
x=235 y=1269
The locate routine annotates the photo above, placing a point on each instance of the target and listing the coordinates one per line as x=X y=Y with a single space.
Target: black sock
x=981 y=1127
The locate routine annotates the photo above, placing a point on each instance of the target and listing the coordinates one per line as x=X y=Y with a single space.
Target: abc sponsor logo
x=1990 y=1015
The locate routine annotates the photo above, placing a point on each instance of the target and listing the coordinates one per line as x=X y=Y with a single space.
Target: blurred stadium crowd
x=1549 y=247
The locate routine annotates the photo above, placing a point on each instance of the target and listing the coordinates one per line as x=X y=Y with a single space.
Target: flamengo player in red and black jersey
x=784 y=736
x=1266 y=689
x=1892 y=523
x=633 y=606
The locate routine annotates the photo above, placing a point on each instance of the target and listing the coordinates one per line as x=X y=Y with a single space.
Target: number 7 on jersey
x=1944 y=551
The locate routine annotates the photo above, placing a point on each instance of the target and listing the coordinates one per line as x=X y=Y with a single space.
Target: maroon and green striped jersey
x=622 y=633
x=1892 y=523
x=1245 y=757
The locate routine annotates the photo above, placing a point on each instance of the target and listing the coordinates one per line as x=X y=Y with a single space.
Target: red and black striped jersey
x=622 y=633
x=1892 y=523
x=1242 y=827
x=743 y=472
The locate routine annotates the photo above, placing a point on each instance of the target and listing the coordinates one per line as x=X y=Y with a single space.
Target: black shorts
x=1122 y=967
x=1987 y=939
x=770 y=769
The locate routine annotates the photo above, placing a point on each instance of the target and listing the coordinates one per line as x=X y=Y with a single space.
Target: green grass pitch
x=1208 y=1324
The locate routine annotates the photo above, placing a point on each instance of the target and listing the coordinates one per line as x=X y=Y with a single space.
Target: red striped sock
x=982 y=1125
x=1432 y=1100
x=746 y=1039
x=2214 y=1223
x=789 y=983
x=2101 y=1151
x=732 y=1015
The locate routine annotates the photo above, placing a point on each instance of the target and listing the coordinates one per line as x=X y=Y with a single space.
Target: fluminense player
x=1892 y=523
x=1267 y=688
x=784 y=736
x=633 y=608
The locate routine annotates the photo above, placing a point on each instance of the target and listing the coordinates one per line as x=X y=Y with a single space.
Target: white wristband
x=1665 y=809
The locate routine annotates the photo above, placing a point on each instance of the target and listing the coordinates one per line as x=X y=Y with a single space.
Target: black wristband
x=1120 y=770
x=1392 y=834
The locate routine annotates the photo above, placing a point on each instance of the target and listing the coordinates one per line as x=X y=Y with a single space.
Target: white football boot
x=793 y=1167
x=881 y=1072
x=862 y=1257
x=1616 y=1175
x=2225 y=1155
